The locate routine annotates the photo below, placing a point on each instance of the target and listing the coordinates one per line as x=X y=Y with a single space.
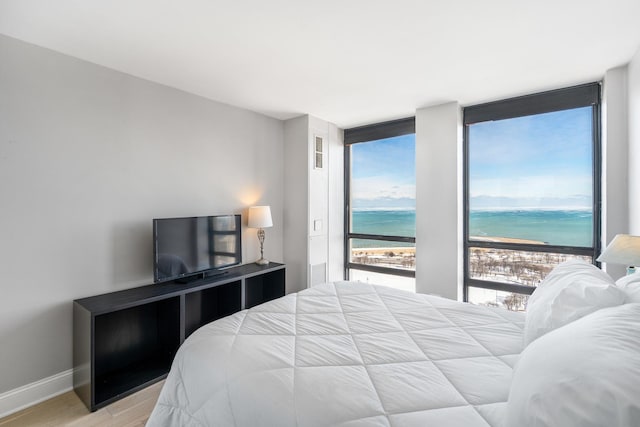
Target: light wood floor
x=68 y=410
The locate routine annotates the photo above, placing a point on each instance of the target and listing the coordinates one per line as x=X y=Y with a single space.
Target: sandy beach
x=505 y=240
x=527 y=268
x=411 y=251
x=384 y=251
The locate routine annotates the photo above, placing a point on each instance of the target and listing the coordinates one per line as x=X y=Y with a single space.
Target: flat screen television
x=186 y=249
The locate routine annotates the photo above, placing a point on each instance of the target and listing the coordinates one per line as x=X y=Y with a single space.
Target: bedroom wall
x=615 y=200
x=88 y=156
x=634 y=143
x=439 y=200
x=313 y=203
x=296 y=153
x=335 y=159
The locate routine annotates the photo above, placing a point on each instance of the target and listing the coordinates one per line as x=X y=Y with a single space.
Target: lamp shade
x=260 y=217
x=623 y=249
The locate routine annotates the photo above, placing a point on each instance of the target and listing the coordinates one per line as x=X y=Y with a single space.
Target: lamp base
x=262 y=261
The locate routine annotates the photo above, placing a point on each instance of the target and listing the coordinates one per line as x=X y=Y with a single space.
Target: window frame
x=365 y=134
x=545 y=102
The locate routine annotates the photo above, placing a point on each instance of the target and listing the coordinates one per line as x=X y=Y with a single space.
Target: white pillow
x=631 y=286
x=584 y=374
x=572 y=290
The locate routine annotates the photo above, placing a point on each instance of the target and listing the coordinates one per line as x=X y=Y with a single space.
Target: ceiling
x=350 y=62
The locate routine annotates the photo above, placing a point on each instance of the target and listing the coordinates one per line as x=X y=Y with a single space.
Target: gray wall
x=634 y=144
x=88 y=156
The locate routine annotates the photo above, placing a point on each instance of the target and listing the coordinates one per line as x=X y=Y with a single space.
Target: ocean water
x=384 y=222
x=554 y=227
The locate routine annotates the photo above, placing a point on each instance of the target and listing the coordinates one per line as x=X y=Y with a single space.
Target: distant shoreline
x=412 y=250
x=505 y=240
x=533 y=208
x=542 y=226
x=486 y=209
x=384 y=251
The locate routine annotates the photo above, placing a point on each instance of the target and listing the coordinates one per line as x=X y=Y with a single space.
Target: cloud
x=384 y=204
x=378 y=188
x=491 y=202
x=532 y=187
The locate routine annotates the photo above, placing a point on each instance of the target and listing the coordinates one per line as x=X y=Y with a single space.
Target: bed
x=353 y=354
x=350 y=354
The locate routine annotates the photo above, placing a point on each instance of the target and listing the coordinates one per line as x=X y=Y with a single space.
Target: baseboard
x=22 y=397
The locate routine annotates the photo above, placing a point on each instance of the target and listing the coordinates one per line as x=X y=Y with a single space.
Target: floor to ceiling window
x=532 y=191
x=380 y=216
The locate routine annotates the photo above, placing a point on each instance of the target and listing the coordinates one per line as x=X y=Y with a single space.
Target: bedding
x=346 y=354
x=572 y=290
x=585 y=374
x=630 y=285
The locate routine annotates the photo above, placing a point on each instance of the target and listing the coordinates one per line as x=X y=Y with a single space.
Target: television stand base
x=201 y=276
x=108 y=361
x=216 y=274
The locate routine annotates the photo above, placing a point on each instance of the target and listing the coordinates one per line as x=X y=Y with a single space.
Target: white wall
x=634 y=144
x=314 y=203
x=318 y=203
x=615 y=206
x=336 y=203
x=438 y=200
x=326 y=202
x=296 y=136
x=88 y=156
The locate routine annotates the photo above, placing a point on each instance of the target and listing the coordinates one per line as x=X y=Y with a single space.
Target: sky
x=543 y=160
x=384 y=173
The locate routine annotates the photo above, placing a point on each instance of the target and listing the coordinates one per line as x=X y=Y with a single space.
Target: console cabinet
x=124 y=341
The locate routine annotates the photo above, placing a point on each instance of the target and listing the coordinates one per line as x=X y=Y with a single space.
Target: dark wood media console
x=124 y=341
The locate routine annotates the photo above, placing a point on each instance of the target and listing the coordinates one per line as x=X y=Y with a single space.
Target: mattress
x=346 y=354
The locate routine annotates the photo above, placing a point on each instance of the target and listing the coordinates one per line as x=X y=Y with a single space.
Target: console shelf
x=124 y=341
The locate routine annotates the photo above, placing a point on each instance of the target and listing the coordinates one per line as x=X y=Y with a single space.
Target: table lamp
x=260 y=218
x=623 y=249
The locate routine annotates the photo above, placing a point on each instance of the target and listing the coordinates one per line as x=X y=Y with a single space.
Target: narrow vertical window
x=380 y=203
x=318 y=152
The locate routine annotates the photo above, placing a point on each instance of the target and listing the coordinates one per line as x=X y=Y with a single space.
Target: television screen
x=184 y=247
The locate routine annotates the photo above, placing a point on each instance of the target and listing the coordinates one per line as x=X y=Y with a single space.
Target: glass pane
x=489 y=297
x=569 y=227
x=384 y=222
x=382 y=253
x=393 y=281
x=517 y=267
x=383 y=187
x=531 y=179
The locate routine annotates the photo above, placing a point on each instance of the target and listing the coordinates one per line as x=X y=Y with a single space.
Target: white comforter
x=346 y=354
